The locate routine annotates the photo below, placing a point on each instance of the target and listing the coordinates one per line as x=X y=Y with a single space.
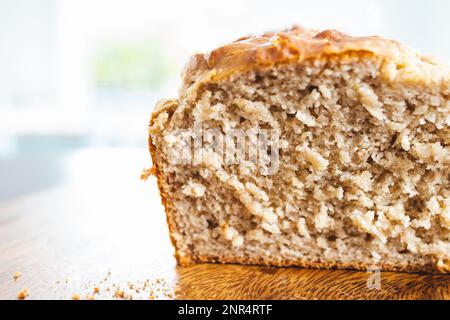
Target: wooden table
x=104 y=230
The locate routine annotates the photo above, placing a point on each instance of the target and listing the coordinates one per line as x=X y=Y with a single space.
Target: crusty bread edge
x=161 y=106
x=301 y=263
x=299 y=44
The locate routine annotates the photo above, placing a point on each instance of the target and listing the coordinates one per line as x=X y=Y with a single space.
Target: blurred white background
x=77 y=74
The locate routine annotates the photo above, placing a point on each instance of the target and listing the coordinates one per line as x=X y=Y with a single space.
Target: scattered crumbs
x=75 y=296
x=17 y=275
x=147 y=173
x=119 y=293
x=153 y=289
x=23 y=294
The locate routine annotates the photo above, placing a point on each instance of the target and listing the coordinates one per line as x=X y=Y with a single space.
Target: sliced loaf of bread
x=311 y=149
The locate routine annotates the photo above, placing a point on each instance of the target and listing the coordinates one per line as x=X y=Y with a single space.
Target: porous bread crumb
x=193 y=189
x=376 y=256
x=365 y=222
x=233 y=235
x=370 y=101
x=404 y=140
x=322 y=220
x=22 y=294
x=432 y=152
x=316 y=159
x=302 y=228
x=363 y=181
x=345 y=157
x=256 y=112
x=397 y=213
x=211 y=160
x=445 y=215
x=434 y=206
x=271 y=227
x=257 y=192
x=306 y=118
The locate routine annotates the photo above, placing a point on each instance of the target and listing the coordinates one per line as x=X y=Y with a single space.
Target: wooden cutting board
x=103 y=235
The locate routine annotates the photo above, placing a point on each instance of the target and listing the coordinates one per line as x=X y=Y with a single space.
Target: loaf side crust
x=262 y=261
x=161 y=106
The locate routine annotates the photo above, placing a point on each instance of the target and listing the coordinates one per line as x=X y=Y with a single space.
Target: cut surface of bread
x=310 y=149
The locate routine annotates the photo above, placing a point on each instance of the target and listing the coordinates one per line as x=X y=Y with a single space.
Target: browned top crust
x=298 y=44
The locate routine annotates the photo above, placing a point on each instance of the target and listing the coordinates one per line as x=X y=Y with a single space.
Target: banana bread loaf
x=311 y=149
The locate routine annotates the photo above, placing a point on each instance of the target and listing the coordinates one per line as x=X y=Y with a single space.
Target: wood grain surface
x=103 y=235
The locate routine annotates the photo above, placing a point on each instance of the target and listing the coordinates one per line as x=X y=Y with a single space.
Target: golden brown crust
x=294 y=45
x=297 y=45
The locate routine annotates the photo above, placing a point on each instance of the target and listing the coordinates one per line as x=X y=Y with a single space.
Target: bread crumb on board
x=22 y=294
x=75 y=296
x=17 y=275
x=119 y=293
x=105 y=287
